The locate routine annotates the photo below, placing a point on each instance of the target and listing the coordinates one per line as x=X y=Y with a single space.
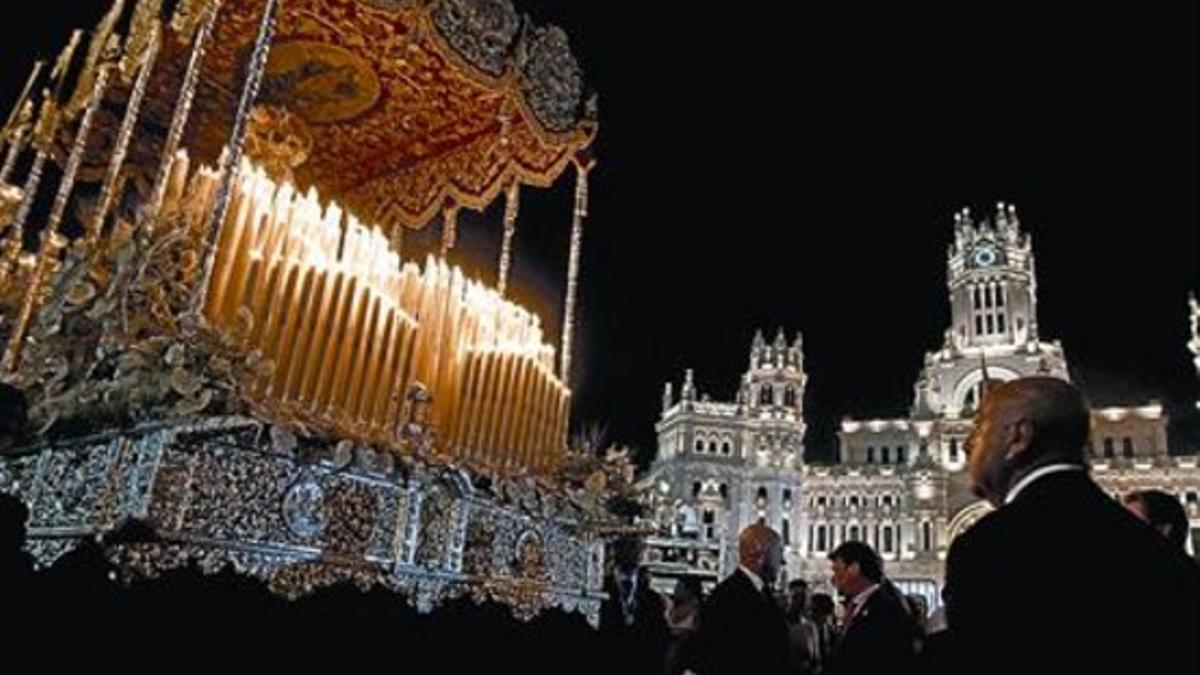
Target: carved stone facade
x=899 y=484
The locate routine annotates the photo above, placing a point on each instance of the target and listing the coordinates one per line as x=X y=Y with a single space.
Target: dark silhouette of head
x=856 y=567
x=1163 y=512
x=1023 y=425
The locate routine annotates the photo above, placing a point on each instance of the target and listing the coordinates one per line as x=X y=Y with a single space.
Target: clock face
x=984 y=256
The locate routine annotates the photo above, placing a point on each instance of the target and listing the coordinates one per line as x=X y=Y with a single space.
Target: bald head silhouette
x=760 y=550
x=1022 y=425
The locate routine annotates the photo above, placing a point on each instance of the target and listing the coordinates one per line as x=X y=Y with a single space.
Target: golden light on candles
x=350 y=329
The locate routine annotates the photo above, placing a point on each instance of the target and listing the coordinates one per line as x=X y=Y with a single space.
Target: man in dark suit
x=878 y=634
x=1060 y=577
x=742 y=627
x=633 y=622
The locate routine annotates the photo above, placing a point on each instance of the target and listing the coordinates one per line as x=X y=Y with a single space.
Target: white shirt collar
x=1036 y=474
x=754 y=578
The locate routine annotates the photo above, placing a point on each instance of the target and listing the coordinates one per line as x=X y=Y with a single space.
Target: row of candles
x=349 y=326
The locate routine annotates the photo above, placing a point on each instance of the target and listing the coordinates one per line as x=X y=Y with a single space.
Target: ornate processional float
x=208 y=311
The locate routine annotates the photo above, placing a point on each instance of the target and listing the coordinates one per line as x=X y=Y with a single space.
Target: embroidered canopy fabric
x=404 y=107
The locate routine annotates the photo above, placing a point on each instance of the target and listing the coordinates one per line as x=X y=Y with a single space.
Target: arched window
x=699 y=445
x=853 y=500
x=789 y=397
x=696 y=489
x=884 y=453
x=712 y=447
x=900 y=455
x=1127 y=447
x=765 y=396
x=870 y=454
x=724 y=490
x=854 y=533
x=953 y=449
x=725 y=448
x=1109 y=452
x=820 y=537
x=887 y=539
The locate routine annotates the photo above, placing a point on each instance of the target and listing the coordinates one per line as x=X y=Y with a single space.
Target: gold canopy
x=407 y=107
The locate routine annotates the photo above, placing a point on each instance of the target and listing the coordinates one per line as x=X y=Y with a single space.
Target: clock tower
x=993 y=319
x=993 y=290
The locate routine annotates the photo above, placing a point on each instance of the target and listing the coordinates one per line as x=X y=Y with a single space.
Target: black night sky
x=800 y=170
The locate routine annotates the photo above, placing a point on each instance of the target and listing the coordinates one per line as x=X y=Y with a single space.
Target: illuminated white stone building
x=899 y=484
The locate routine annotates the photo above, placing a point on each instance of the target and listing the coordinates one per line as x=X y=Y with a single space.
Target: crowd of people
x=1059 y=576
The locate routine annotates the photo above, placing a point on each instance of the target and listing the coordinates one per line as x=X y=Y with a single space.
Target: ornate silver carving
x=481 y=31
x=220 y=496
x=303 y=508
x=552 y=79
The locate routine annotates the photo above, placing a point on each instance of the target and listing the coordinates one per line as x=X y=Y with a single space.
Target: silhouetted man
x=802 y=631
x=1029 y=586
x=633 y=622
x=878 y=633
x=1163 y=512
x=742 y=627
